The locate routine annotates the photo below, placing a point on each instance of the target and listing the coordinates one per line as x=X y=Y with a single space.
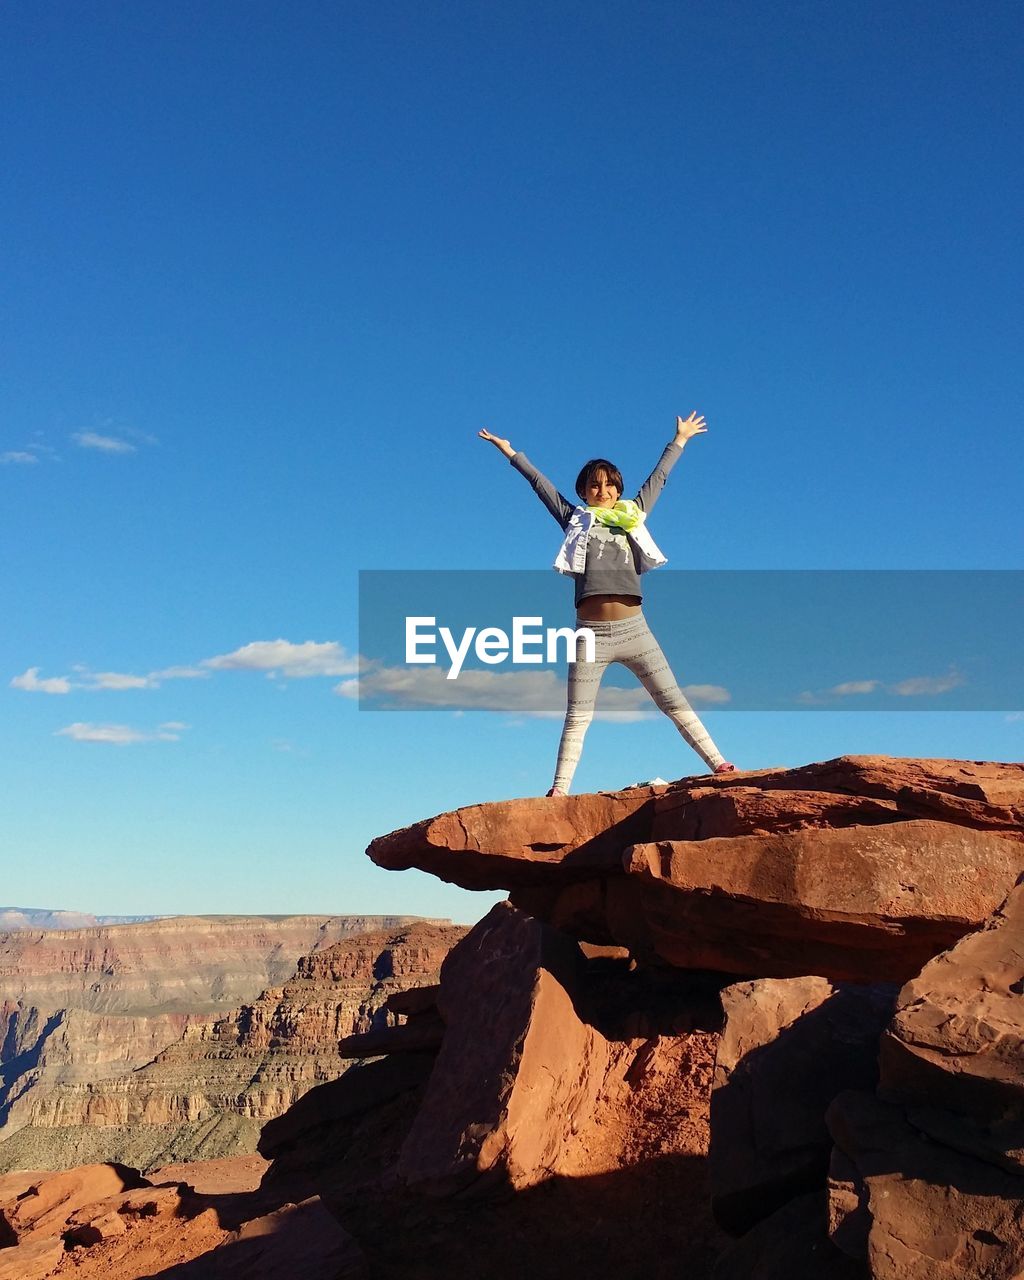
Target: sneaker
x=556 y=791
x=725 y=767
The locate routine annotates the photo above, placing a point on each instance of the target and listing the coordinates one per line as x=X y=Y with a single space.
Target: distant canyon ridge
x=178 y=1037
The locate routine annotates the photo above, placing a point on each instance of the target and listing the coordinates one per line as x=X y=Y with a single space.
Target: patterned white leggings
x=629 y=641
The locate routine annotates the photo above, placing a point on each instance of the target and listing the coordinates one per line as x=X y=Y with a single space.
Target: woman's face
x=600 y=492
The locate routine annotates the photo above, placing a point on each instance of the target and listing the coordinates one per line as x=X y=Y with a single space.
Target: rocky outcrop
x=107 y=1221
x=915 y=1209
x=957 y=1037
x=208 y=1093
x=787 y=1048
x=859 y=869
x=929 y=1182
x=826 y=886
x=569 y=1095
x=542 y=843
x=518 y=1072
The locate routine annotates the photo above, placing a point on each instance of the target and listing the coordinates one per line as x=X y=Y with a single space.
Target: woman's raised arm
x=686 y=429
x=560 y=507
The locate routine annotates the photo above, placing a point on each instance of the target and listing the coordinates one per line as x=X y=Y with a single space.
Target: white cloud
x=296 y=660
x=18 y=456
x=707 y=695
x=532 y=694
x=913 y=686
x=274 y=657
x=118 y=735
x=1014 y=717
x=855 y=687
x=118 y=680
x=918 y=685
x=30 y=682
x=179 y=673
x=105 y=444
x=93 y=681
x=121 y=735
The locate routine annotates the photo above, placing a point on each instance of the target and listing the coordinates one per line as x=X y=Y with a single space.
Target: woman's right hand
x=502 y=445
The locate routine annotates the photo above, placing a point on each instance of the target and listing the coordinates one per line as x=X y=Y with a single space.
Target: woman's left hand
x=692 y=426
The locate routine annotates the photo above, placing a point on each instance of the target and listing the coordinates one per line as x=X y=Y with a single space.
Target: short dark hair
x=589 y=473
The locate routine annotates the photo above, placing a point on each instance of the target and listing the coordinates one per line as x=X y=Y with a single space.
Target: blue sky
x=269 y=268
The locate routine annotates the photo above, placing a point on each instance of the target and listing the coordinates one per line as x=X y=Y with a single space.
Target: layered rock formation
x=80 y=1085
x=824 y=887
x=179 y=964
x=860 y=868
x=550 y=1104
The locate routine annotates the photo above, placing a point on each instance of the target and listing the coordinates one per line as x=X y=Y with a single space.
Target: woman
x=606 y=548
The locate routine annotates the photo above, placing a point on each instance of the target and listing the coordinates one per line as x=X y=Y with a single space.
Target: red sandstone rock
x=33 y=1260
x=522 y=842
x=710 y=812
x=45 y=1207
x=977 y=793
x=144 y=1202
x=787 y=1048
x=102 y=1226
x=514 y=844
x=916 y=1209
x=517 y=1069
x=859 y=903
x=957 y=1038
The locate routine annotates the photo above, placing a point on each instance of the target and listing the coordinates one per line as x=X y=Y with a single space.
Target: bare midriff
x=607 y=608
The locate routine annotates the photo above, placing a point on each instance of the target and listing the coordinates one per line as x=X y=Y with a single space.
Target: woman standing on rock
x=606 y=548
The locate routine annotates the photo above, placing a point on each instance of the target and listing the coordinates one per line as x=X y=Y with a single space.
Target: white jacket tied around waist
x=572 y=554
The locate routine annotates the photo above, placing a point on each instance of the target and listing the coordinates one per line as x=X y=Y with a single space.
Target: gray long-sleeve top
x=612 y=567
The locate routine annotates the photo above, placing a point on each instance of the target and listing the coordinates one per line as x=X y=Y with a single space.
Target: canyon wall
x=191 y=1076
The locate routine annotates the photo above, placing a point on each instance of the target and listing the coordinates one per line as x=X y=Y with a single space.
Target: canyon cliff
x=109 y=1081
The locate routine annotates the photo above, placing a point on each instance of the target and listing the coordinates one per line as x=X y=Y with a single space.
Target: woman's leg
x=642 y=654
x=581 y=694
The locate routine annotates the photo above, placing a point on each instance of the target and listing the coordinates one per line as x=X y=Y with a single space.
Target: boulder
x=956 y=1040
x=518 y=1070
x=45 y=1206
x=915 y=1209
x=108 y=1218
x=865 y=904
x=787 y=1048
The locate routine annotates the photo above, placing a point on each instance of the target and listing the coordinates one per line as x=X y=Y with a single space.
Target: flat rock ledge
x=856 y=869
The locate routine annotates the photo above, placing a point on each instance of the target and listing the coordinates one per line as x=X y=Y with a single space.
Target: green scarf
x=624 y=515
